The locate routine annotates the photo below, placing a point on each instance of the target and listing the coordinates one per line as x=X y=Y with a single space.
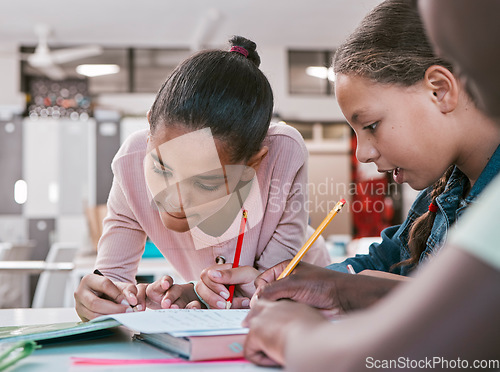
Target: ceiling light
x=20 y=191
x=321 y=72
x=97 y=70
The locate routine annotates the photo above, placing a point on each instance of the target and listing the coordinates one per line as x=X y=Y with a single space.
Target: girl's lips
x=162 y=209
x=176 y=216
x=397 y=175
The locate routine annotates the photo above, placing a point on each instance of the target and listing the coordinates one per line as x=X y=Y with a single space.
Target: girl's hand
x=97 y=295
x=271 y=324
x=213 y=286
x=164 y=294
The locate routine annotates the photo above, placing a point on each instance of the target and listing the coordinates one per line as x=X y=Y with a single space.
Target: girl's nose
x=175 y=197
x=366 y=152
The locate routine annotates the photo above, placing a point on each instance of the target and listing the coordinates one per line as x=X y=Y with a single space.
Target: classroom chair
x=14 y=287
x=51 y=289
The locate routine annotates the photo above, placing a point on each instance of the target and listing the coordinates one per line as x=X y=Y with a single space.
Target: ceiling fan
x=47 y=61
x=207 y=26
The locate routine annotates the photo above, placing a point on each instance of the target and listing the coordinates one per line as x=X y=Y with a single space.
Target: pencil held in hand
x=237 y=254
x=312 y=239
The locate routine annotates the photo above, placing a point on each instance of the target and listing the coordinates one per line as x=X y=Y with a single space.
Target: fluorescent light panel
x=321 y=72
x=97 y=70
x=20 y=191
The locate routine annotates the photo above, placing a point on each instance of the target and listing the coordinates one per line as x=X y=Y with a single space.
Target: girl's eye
x=371 y=127
x=207 y=187
x=161 y=170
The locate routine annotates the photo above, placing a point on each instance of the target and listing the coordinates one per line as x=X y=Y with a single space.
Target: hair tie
x=240 y=50
x=433 y=208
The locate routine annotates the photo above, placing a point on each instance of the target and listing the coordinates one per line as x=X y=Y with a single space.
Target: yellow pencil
x=312 y=239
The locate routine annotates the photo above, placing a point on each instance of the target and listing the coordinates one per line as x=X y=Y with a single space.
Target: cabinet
x=329 y=173
x=11 y=160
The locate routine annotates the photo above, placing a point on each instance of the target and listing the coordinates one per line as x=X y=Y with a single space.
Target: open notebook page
x=183 y=322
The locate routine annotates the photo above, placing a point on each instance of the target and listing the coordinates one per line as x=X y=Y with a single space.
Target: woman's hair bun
x=248 y=45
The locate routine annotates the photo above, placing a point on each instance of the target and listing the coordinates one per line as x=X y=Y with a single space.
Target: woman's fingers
x=97 y=295
x=216 y=280
x=156 y=291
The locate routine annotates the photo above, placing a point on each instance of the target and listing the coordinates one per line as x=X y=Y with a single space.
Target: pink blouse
x=276 y=226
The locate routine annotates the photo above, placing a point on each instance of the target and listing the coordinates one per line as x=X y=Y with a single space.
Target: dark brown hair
x=390 y=46
x=222 y=90
x=422 y=226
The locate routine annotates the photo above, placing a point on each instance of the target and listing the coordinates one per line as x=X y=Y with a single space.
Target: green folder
x=58 y=332
x=11 y=353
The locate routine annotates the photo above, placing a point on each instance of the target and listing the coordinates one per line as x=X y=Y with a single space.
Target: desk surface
x=155 y=267
x=18 y=317
x=119 y=346
x=34 y=267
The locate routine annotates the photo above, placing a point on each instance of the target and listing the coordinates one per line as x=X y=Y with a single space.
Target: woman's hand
x=271 y=324
x=164 y=294
x=97 y=295
x=213 y=286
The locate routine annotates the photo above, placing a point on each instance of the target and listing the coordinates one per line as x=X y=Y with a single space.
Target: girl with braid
x=447 y=316
x=414 y=118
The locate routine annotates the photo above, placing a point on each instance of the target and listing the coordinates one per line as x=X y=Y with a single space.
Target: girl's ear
x=253 y=164
x=148 y=115
x=256 y=159
x=443 y=86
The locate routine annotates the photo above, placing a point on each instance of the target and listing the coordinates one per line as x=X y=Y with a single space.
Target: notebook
x=191 y=333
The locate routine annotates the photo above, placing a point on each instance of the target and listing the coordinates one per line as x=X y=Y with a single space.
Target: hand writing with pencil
x=212 y=287
x=321 y=287
x=98 y=295
x=214 y=282
x=309 y=284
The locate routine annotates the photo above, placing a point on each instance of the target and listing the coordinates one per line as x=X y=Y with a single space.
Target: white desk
x=56 y=358
x=27 y=316
x=34 y=267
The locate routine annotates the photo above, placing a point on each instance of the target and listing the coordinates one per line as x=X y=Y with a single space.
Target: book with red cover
x=190 y=333
x=197 y=348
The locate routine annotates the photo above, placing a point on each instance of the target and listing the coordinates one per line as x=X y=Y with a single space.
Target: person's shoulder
x=133 y=144
x=133 y=149
x=284 y=130
x=282 y=135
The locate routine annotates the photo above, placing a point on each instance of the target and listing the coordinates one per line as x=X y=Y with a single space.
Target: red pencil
x=237 y=255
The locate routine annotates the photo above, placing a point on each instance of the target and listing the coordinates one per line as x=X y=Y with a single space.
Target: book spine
x=216 y=347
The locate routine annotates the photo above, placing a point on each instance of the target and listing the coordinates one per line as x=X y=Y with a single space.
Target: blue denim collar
x=458 y=180
x=489 y=172
x=451 y=200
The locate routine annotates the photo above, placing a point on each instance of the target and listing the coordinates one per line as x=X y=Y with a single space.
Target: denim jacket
x=394 y=246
